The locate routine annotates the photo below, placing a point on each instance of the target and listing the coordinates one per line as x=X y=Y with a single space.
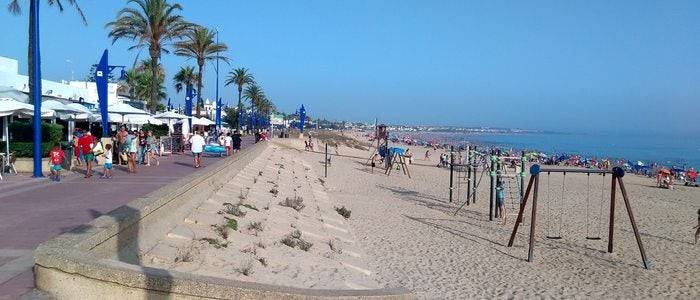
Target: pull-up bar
x=533 y=185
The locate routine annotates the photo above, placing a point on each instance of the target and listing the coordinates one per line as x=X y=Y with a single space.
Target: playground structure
x=533 y=187
x=396 y=158
x=466 y=174
x=381 y=138
x=505 y=169
x=510 y=171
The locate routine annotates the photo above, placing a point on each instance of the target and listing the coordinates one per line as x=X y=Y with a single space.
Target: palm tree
x=199 y=44
x=184 y=78
x=151 y=24
x=240 y=77
x=254 y=94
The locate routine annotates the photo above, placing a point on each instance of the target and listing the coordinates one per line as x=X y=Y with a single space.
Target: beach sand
x=406 y=226
x=402 y=232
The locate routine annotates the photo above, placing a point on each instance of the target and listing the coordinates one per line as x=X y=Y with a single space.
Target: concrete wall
x=99 y=260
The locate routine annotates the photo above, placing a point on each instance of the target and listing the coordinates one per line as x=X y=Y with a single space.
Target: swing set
x=555 y=231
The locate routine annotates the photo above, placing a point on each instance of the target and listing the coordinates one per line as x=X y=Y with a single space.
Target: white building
x=10 y=77
x=73 y=90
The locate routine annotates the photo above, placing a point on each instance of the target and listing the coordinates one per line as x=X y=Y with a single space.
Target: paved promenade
x=33 y=211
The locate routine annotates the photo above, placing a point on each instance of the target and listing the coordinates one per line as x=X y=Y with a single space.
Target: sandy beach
x=403 y=232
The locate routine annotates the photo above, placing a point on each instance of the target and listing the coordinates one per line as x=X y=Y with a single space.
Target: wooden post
x=521 y=212
x=634 y=224
x=469 y=174
x=611 y=226
x=325 y=171
x=533 y=220
x=522 y=174
x=452 y=169
x=473 y=180
x=492 y=190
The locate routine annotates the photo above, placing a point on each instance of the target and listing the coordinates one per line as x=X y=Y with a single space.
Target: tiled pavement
x=33 y=211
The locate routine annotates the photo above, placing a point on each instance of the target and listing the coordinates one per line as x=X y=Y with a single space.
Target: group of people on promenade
x=136 y=147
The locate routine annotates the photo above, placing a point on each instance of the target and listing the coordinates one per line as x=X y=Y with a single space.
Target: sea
x=670 y=150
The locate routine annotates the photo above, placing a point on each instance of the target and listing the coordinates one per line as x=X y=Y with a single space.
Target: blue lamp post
x=102 y=71
x=218 y=114
x=189 y=94
x=36 y=91
x=218 y=100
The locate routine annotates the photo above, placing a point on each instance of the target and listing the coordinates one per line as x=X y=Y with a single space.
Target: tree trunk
x=199 y=88
x=154 y=83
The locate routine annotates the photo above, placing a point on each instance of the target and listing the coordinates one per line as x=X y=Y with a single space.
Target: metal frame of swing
x=475 y=159
x=533 y=186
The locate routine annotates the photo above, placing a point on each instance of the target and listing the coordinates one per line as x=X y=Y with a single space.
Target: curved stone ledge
x=99 y=261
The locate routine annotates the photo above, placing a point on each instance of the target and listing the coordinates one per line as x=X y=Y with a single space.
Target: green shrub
x=343 y=212
x=21 y=131
x=158 y=130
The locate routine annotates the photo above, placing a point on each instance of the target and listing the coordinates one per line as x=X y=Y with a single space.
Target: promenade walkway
x=34 y=211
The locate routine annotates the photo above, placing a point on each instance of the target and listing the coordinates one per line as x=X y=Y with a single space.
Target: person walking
x=197 y=146
x=86 y=142
x=131 y=141
x=108 y=162
x=76 y=149
x=56 y=156
x=143 y=147
x=236 y=141
x=228 y=143
x=152 y=149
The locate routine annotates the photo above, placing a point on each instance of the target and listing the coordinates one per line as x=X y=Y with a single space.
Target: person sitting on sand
x=409 y=155
x=427 y=154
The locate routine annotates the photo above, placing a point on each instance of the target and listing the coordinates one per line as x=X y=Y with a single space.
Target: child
x=108 y=162
x=500 y=200
x=56 y=156
x=697 y=232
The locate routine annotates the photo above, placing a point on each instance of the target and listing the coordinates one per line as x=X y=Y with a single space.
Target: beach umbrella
x=141 y=120
x=169 y=116
x=10 y=107
x=123 y=109
x=202 y=121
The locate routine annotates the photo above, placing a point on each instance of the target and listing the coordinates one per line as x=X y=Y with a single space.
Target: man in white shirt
x=228 y=141
x=197 y=144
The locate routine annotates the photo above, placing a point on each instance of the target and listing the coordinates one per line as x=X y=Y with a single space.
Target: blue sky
x=556 y=65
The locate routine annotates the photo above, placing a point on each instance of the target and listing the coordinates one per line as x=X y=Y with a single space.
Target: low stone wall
x=26 y=165
x=100 y=260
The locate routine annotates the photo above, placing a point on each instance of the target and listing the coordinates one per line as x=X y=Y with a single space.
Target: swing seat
x=553 y=237
x=594 y=238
